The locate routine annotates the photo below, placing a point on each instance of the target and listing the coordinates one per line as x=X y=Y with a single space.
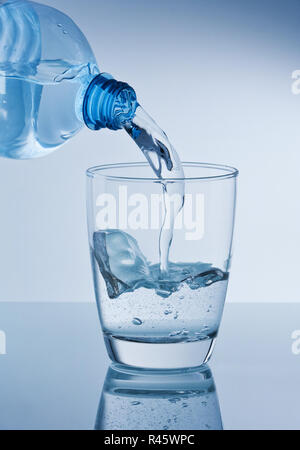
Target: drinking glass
x=155 y=316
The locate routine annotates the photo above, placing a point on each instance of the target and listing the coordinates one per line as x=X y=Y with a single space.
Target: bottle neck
x=108 y=103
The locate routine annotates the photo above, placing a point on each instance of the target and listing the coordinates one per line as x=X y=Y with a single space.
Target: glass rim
x=99 y=171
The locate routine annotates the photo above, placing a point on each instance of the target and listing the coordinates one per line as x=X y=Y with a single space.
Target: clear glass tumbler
x=154 y=317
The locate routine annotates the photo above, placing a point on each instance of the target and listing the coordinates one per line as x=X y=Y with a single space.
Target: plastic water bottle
x=50 y=84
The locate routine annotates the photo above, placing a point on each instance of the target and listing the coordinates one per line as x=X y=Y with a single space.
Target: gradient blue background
x=216 y=75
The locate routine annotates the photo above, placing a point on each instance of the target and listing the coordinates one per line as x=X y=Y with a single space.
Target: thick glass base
x=158 y=356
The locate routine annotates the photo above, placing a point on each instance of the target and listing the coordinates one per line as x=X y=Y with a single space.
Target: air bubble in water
x=174 y=399
x=175 y=333
x=137 y=321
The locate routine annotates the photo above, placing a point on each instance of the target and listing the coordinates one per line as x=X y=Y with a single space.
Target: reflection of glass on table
x=141 y=400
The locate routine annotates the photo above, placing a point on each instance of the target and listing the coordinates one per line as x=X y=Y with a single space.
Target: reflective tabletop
x=56 y=374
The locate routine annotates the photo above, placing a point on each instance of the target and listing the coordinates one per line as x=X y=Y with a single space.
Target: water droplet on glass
x=168 y=311
x=137 y=321
x=135 y=403
x=59 y=25
x=204 y=403
x=65 y=32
